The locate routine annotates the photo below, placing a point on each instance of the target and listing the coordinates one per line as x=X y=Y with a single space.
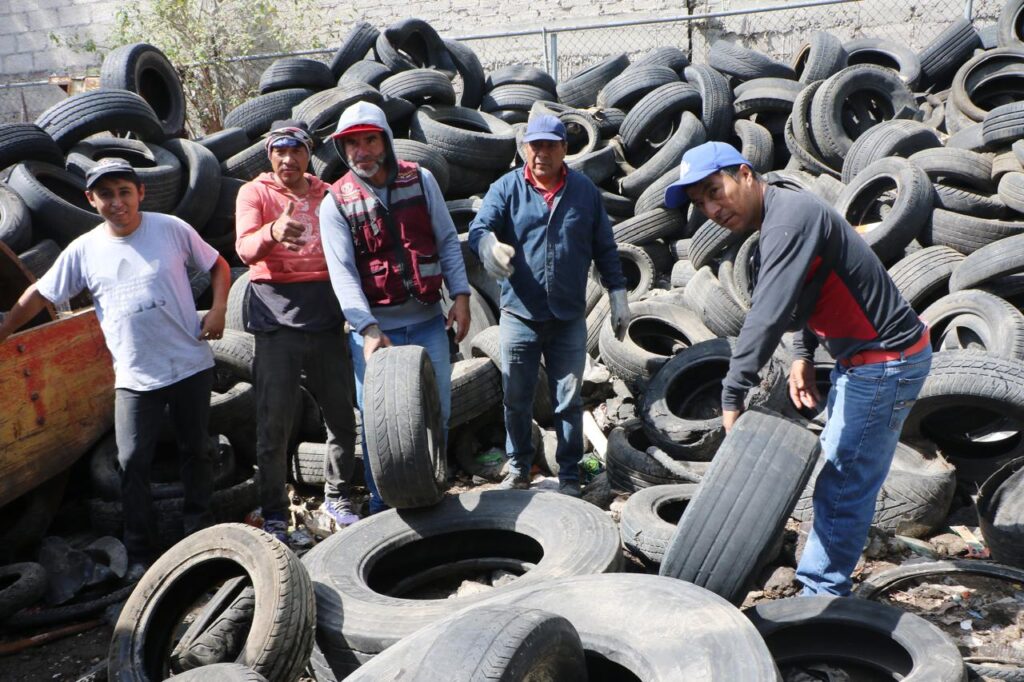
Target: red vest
x=391 y=272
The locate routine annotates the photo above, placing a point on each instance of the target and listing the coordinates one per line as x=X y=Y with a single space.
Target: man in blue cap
x=815 y=275
x=538 y=230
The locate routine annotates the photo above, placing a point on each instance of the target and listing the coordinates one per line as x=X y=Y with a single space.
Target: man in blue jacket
x=538 y=230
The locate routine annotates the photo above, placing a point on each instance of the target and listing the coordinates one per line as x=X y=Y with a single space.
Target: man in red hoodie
x=297 y=324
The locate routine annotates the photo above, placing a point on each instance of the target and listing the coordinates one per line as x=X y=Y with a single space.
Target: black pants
x=137 y=419
x=281 y=358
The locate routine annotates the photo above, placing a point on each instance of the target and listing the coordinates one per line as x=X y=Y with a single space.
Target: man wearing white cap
x=538 y=230
x=815 y=275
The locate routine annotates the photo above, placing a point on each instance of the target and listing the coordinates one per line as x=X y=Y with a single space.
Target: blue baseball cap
x=697 y=164
x=544 y=127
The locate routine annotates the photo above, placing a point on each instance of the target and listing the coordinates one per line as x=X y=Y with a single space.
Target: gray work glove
x=496 y=257
x=620 y=312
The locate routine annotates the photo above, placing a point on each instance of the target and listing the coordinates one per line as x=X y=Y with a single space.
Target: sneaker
x=515 y=481
x=340 y=511
x=570 y=488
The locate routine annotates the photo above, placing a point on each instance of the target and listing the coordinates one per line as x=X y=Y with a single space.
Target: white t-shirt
x=143 y=298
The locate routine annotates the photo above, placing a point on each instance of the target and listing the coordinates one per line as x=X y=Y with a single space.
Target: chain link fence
x=779 y=31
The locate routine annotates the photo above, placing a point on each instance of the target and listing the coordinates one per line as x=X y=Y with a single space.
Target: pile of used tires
x=923 y=152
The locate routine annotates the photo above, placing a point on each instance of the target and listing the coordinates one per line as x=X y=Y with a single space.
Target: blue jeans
x=866 y=410
x=563 y=343
x=434 y=338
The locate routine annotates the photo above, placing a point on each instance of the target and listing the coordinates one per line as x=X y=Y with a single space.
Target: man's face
x=289 y=163
x=544 y=158
x=117 y=201
x=733 y=203
x=366 y=154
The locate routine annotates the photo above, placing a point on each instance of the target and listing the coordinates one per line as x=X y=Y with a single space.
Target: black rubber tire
x=644 y=228
x=756 y=144
x=734 y=521
x=420 y=86
x=966 y=233
x=225 y=143
x=359 y=40
x=914 y=499
x=716 y=100
x=947 y=52
x=320 y=111
x=653 y=197
x=653 y=120
x=522 y=74
x=638 y=268
x=476 y=388
x=412 y=44
x=202 y=182
x=402 y=427
x=649 y=518
x=874 y=587
x=599 y=165
x=888 y=54
x=256 y=115
x=688 y=134
x=967 y=396
x=238 y=303
x=834 y=130
x=427 y=157
x=27 y=142
x=923 y=277
x=219 y=629
x=745 y=64
x=40 y=257
x=709 y=242
x=742 y=272
x=1010 y=25
x=581 y=88
x=295 y=72
x=655 y=332
x=765 y=101
x=60 y=215
x=512 y=97
x=821 y=57
x=692 y=431
x=631 y=464
x=469 y=68
x=486 y=642
x=1001 y=513
x=465 y=137
x=888 y=235
x=998 y=259
x=970 y=319
x=889 y=138
x=23 y=584
x=1003 y=125
x=221 y=672
x=708 y=298
x=248 y=163
x=799 y=135
x=39 y=618
x=15 y=220
x=146 y=71
x=862 y=634
x=355 y=571
x=981 y=82
x=158 y=169
x=281 y=636
x=71 y=120
x=630 y=86
x=959 y=200
x=365 y=71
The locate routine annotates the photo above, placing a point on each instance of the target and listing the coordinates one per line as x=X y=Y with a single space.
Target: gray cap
x=111 y=165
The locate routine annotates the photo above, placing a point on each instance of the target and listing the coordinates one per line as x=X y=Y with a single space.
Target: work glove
x=496 y=257
x=620 y=312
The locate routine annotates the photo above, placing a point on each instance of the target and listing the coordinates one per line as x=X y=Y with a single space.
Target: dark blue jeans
x=866 y=410
x=282 y=356
x=137 y=419
x=563 y=344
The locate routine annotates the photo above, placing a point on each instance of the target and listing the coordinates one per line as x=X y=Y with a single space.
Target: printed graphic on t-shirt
x=310 y=233
x=131 y=293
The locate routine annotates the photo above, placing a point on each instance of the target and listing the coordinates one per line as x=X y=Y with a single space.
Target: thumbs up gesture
x=287 y=231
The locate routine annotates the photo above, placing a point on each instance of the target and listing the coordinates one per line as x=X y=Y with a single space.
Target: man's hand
x=459 y=315
x=803 y=389
x=213 y=324
x=287 y=231
x=729 y=418
x=373 y=338
x=619 y=312
x=496 y=257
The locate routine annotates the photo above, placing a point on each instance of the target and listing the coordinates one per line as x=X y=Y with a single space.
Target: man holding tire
x=814 y=274
x=134 y=266
x=538 y=230
x=390 y=245
x=297 y=325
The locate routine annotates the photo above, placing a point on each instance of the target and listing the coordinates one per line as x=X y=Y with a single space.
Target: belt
x=870 y=357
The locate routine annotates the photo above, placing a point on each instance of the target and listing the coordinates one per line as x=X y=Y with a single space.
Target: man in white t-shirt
x=134 y=265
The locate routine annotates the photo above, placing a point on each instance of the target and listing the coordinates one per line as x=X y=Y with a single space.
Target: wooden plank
x=56 y=400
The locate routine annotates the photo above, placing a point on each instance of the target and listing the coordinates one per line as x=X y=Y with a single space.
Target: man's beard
x=370 y=172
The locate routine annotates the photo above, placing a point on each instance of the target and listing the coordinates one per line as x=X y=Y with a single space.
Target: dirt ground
x=984 y=617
